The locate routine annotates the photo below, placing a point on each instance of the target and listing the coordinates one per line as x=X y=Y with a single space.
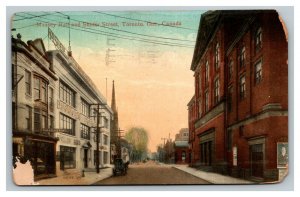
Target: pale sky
x=150 y=64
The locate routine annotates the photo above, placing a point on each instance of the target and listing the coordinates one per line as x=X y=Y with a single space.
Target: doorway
x=85 y=158
x=257 y=160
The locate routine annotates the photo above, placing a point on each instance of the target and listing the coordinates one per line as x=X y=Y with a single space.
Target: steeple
x=113 y=99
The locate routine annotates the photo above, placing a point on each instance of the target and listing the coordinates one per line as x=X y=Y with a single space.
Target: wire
x=94 y=31
x=25 y=18
x=129 y=32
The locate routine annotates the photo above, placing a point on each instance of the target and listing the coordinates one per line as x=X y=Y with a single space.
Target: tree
x=138 y=137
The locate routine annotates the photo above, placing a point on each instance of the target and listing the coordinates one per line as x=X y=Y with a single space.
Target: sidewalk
x=75 y=178
x=211 y=177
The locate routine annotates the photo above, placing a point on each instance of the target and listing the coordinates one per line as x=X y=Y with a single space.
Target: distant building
x=239 y=113
x=181 y=146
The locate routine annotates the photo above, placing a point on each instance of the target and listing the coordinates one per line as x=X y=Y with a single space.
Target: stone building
x=181 y=146
x=238 y=115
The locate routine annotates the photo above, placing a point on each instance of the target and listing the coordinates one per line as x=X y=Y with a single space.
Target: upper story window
x=217 y=56
x=206 y=72
x=258 y=39
x=200 y=108
x=230 y=97
x=28 y=118
x=51 y=99
x=40 y=89
x=199 y=83
x=106 y=122
x=230 y=69
x=258 y=71
x=242 y=56
x=27 y=82
x=68 y=124
x=85 y=131
x=216 y=90
x=85 y=108
x=206 y=101
x=242 y=87
x=105 y=140
x=40 y=119
x=66 y=94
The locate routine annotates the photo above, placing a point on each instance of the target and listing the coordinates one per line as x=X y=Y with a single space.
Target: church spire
x=113 y=99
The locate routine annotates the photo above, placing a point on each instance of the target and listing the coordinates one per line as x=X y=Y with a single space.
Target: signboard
x=282 y=155
x=234 y=152
x=59 y=46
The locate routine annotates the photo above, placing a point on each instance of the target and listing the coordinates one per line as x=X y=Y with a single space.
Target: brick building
x=238 y=115
x=181 y=147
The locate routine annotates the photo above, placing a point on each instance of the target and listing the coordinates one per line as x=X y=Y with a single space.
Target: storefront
x=39 y=150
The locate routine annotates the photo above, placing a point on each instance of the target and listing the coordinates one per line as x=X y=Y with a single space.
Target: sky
x=147 y=58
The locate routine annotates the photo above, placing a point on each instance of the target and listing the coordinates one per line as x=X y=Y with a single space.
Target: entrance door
x=85 y=158
x=257 y=160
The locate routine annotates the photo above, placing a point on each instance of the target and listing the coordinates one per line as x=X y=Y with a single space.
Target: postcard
x=185 y=97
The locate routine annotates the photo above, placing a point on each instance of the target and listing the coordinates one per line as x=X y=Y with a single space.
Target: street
x=152 y=173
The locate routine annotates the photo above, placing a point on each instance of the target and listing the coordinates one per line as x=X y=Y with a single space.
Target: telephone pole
x=98 y=115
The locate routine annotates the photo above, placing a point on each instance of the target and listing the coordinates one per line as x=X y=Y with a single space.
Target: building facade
x=239 y=114
x=32 y=79
x=181 y=146
x=77 y=101
x=56 y=108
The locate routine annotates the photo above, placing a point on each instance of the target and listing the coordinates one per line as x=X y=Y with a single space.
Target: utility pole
x=98 y=114
x=163 y=149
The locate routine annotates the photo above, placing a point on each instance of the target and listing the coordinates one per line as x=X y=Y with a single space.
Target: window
x=67 y=157
x=230 y=94
x=28 y=118
x=105 y=122
x=216 y=91
x=51 y=99
x=242 y=87
x=40 y=89
x=258 y=39
x=66 y=94
x=217 y=56
x=85 y=108
x=51 y=122
x=206 y=73
x=199 y=83
x=242 y=56
x=258 y=72
x=206 y=101
x=200 y=108
x=230 y=69
x=85 y=131
x=95 y=136
x=105 y=140
x=27 y=82
x=68 y=124
x=40 y=120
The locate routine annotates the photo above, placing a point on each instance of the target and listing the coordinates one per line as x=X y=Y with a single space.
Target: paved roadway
x=151 y=173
